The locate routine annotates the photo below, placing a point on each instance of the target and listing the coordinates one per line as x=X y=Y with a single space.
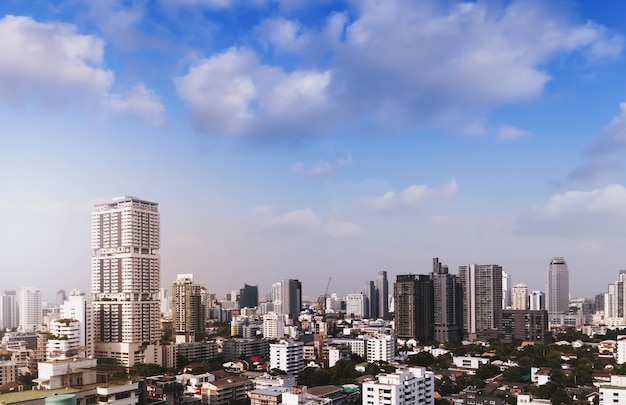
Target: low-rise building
x=614 y=392
x=540 y=375
x=412 y=386
x=118 y=395
x=469 y=362
x=227 y=390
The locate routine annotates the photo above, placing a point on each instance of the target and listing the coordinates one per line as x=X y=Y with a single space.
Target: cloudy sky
x=310 y=139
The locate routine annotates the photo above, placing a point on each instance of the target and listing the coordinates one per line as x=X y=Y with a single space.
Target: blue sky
x=309 y=139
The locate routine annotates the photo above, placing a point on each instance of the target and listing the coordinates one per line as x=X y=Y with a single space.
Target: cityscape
x=323 y=202
x=128 y=323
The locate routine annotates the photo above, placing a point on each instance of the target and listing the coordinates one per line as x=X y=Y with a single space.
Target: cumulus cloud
x=321 y=169
x=118 y=22
x=139 y=101
x=508 y=132
x=599 y=212
x=305 y=220
x=602 y=157
x=410 y=197
x=50 y=63
x=233 y=93
x=284 y=34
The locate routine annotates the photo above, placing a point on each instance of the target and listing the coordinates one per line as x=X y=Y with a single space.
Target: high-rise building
x=413 y=313
x=288 y=356
x=557 y=290
x=482 y=299
x=537 y=301
x=61 y=297
x=447 y=304
x=520 y=297
x=249 y=296
x=382 y=293
x=187 y=310
x=126 y=271
x=78 y=307
x=287 y=297
x=525 y=325
x=371 y=301
x=506 y=290
x=30 y=309
x=355 y=305
x=8 y=310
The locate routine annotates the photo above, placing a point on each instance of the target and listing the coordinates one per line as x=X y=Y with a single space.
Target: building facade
x=355 y=305
x=30 y=309
x=412 y=386
x=525 y=325
x=447 y=304
x=557 y=290
x=187 y=310
x=288 y=356
x=482 y=299
x=125 y=239
x=413 y=297
x=8 y=310
x=520 y=297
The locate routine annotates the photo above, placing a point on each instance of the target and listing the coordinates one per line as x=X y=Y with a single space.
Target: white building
x=78 y=307
x=125 y=279
x=620 y=349
x=273 y=326
x=469 y=362
x=59 y=374
x=30 y=309
x=614 y=392
x=537 y=301
x=506 y=290
x=355 y=305
x=520 y=297
x=412 y=386
x=528 y=399
x=540 y=375
x=118 y=395
x=64 y=340
x=8 y=310
x=287 y=355
x=381 y=348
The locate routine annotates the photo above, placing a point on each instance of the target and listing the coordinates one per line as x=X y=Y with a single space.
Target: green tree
x=423 y=359
x=487 y=371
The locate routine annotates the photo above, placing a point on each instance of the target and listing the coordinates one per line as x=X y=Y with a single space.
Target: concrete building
x=233 y=349
x=30 y=309
x=187 y=310
x=412 y=386
x=288 y=356
x=58 y=374
x=355 y=305
x=413 y=297
x=126 y=271
x=536 y=301
x=447 y=304
x=381 y=348
x=64 y=339
x=118 y=394
x=249 y=296
x=614 y=392
x=382 y=293
x=620 y=349
x=8 y=372
x=469 y=362
x=482 y=299
x=557 y=290
x=8 y=310
x=273 y=326
x=525 y=325
x=226 y=391
x=507 y=297
x=78 y=307
x=520 y=297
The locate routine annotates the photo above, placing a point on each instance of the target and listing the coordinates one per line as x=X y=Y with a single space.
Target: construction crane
x=321 y=301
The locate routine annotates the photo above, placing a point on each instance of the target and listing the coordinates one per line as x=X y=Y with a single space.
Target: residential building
x=413 y=297
x=125 y=238
x=288 y=356
x=620 y=349
x=355 y=305
x=236 y=348
x=187 y=310
x=127 y=394
x=470 y=362
x=411 y=386
x=381 y=348
x=226 y=391
x=8 y=372
x=273 y=326
x=8 y=310
x=540 y=375
x=196 y=352
x=520 y=297
x=382 y=293
x=614 y=392
x=447 y=304
x=557 y=290
x=63 y=339
x=30 y=309
x=78 y=307
x=525 y=325
x=482 y=299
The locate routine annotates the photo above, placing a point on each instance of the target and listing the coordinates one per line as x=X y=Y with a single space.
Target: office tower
x=413 y=314
x=287 y=297
x=371 y=301
x=506 y=290
x=126 y=278
x=557 y=290
x=382 y=292
x=30 y=309
x=8 y=310
x=482 y=299
x=520 y=297
x=448 y=304
x=249 y=296
x=536 y=300
x=187 y=310
x=355 y=305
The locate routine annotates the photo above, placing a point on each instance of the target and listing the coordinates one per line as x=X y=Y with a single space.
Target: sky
x=316 y=139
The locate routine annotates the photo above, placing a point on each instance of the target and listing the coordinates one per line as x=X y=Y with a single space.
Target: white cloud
x=50 y=63
x=232 y=93
x=508 y=132
x=305 y=217
x=140 y=101
x=322 y=168
x=339 y=229
x=410 y=197
x=284 y=34
x=304 y=221
x=599 y=212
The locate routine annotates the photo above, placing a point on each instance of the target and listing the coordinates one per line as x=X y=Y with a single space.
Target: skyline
x=288 y=140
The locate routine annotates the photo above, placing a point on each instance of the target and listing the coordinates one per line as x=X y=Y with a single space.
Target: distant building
x=273 y=326
x=537 y=301
x=525 y=325
x=287 y=355
x=249 y=296
x=557 y=290
x=287 y=298
x=236 y=348
x=507 y=298
x=381 y=348
x=520 y=297
x=412 y=386
x=8 y=310
x=8 y=372
x=187 y=310
x=447 y=304
x=475 y=398
x=382 y=293
x=355 y=305
x=30 y=309
x=226 y=391
x=371 y=300
x=413 y=296
x=482 y=299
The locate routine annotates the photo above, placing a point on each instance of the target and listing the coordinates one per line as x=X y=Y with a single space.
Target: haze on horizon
x=294 y=139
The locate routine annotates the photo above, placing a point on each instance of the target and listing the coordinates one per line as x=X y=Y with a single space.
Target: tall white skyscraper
x=537 y=301
x=125 y=278
x=557 y=290
x=8 y=310
x=30 y=309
